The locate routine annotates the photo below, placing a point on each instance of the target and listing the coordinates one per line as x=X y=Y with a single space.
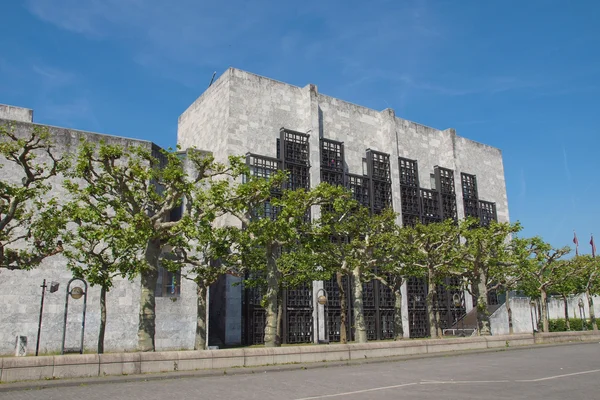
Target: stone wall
x=20 y=291
x=523 y=313
x=16 y=113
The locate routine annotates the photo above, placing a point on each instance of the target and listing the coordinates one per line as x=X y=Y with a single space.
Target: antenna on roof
x=212 y=79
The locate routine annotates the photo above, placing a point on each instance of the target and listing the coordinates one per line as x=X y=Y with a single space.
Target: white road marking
x=358 y=391
x=432 y=382
x=460 y=382
x=559 y=376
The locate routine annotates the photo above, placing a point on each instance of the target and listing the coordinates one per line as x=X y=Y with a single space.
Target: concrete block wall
x=20 y=291
x=522 y=313
x=16 y=113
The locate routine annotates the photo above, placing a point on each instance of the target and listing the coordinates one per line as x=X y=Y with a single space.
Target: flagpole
x=576 y=241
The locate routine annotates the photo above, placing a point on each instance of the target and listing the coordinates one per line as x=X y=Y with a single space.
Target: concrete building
x=423 y=173
x=20 y=291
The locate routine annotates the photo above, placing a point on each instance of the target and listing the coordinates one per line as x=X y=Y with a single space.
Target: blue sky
x=523 y=76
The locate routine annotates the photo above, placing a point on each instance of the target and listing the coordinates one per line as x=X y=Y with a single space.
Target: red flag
x=593 y=246
x=576 y=241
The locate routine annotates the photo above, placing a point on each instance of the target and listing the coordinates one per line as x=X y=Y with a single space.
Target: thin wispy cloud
x=175 y=38
x=52 y=77
x=523 y=186
x=171 y=37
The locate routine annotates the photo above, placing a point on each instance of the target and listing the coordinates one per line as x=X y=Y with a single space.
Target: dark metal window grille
x=332 y=177
x=445 y=187
x=371 y=324
x=359 y=186
x=300 y=297
x=449 y=314
x=417 y=309
x=332 y=155
x=430 y=207
x=299 y=326
x=380 y=164
x=471 y=208
x=386 y=318
x=410 y=220
x=386 y=296
x=487 y=212
x=469 y=186
x=298 y=313
x=382 y=196
x=262 y=166
x=470 y=196
x=409 y=173
x=379 y=172
x=446 y=177
x=259 y=321
x=333 y=293
x=409 y=192
x=278 y=144
x=254 y=296
x=334 y=308
x=369 y=294
x=295 y=147
x=449 y=207
x=299 y=177
x=410 y=200
x=332 y=162
x=334 y=318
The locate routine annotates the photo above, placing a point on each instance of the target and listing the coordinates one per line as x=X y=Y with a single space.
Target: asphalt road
x=558 y=372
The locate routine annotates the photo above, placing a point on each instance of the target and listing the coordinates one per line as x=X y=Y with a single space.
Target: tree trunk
x=200 y=340
x=102 y=320
x=279 y=337
x=483 y=315
x=544 y=311
x=511 y=328
x=149 y=276
x=438 y=319
x=271 y=297
x=360 y=327
x=398 y=329
x=343 y=308
x=567 y=323
x=592 y=312
x=429 y=299
x=538 y=314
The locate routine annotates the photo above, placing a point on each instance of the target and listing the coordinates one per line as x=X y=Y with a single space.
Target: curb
x=58 y=383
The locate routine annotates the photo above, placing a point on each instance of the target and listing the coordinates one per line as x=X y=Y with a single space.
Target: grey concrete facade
x=13 y=113
x=523 y=313
x=20 y=291
x=251 y=109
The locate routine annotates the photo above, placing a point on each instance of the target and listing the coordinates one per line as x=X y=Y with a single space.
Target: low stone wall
x=91 y=365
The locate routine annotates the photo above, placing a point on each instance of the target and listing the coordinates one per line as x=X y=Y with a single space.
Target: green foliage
x=489 y=254
x=29 y=225
x=542 y=269
x=560 y=325
x=587 y=274
x=299 y=242
x=433 y=249
x=122 y=200
x=357 y=240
